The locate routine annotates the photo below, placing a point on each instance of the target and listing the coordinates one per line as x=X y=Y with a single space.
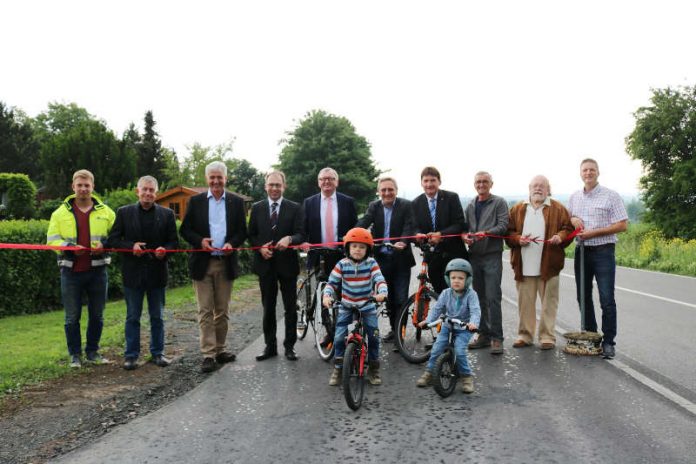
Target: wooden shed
x=177 y=198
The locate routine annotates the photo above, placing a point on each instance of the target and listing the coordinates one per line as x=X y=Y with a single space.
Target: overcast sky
x=516 y=88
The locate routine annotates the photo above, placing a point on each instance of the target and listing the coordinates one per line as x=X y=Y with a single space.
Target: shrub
x=20 y=193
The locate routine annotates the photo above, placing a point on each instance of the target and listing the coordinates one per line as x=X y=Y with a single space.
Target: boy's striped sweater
x=355 y=281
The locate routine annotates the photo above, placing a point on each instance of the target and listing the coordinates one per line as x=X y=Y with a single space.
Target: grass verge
x=33 y=346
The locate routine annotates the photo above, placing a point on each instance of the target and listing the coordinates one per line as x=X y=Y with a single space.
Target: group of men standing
x=537 y=231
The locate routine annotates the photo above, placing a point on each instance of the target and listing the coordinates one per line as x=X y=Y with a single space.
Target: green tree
x=664 y=140
x=320 y=140
x=244 y=178
x=150 y=155
x=72 y=139
x=19 y=149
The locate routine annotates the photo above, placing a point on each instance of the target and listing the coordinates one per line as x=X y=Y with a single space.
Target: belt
x=218 y=257
x=599 y=247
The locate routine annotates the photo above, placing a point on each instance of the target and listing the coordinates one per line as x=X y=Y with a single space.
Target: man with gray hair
x=487 y=214
x=149 y=230
x=214 y=224
x=537 y=235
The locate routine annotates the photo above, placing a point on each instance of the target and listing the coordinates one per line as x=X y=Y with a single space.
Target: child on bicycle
x=459 y=301
x=355 y=277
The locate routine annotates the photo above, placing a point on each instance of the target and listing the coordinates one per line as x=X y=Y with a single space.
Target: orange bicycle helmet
x=358 y=235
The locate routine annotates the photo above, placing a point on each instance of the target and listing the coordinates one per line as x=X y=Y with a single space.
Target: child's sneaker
x=467 y=384
x=335 y=376
x=373 y=373
x=425 y=380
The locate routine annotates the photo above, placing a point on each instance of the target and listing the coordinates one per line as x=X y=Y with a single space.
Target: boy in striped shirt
x=355 y=277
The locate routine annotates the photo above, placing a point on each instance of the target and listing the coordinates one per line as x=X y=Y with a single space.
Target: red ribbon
x=28 y=246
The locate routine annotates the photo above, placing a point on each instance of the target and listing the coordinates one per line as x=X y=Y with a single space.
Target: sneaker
x=335 y=376
x=425 y=380
x=75 y=362
x=97 y=359
x=608 y=351
x=481 y=342
x=208 y=365
x=496 y=347
x=467 y=384
x=130 y=363
x=373 y=376
x=161 y=361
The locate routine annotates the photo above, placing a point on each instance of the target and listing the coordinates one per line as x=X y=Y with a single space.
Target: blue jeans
x=345 y=317
x=461 y=341
x=600 y=264
x=134 y=309
x=398 y=279
x=73 y=285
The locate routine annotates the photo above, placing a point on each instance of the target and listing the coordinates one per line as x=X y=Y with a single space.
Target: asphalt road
x=529 y=405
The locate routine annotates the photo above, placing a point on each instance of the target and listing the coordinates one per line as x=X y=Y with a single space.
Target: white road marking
x=650 y=295
x=641 y=378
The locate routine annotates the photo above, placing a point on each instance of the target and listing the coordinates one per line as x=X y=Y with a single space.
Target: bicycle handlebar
x=452 y=320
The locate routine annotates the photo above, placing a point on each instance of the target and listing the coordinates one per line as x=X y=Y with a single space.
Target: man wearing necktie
x=275 y=223
x=328 y=216
x=438 y=213
x=391 y=217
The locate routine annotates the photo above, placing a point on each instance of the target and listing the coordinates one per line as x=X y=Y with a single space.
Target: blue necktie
x=432 y=212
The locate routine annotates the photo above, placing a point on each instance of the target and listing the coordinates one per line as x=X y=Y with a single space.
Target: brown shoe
x=224 y=357
x=335 y=378
x=373 y=376
x=425 y=380
x=468 y=384
x=547 y=345
x=519 y=343
x=481 y=342
x=496 y=347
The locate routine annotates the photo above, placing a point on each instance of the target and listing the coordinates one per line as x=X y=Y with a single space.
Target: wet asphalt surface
x=529 y=406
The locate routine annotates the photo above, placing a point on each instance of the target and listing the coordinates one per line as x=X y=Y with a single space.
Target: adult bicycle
x=445 y=372
x=310 y=311
x=414 y=343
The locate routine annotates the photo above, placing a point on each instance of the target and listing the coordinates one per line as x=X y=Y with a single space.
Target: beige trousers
x=527 y=291
x=213 y=294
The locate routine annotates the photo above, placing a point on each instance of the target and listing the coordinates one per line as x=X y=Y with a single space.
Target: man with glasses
x=328 y=216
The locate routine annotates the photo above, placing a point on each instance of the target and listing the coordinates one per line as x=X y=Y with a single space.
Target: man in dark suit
x=437 y=213
x=392 y=217
x=276 y=223
x=144 y=225
x=328 y=216
x=215 y=223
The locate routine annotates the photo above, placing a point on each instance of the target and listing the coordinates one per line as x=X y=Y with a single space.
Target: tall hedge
x=21 y=196
x=30 y=280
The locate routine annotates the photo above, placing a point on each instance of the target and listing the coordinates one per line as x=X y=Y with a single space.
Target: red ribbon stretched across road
x=28 y=246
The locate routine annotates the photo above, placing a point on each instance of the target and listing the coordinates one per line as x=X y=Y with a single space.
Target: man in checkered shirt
x=601 y=214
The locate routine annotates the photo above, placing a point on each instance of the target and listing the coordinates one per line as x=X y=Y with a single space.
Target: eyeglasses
x=327 y=179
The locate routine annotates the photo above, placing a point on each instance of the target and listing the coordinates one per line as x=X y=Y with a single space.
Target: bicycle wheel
x=303 y=301
x=353 y=377
x=413 y=342
x=324 y=326
x=445 y=375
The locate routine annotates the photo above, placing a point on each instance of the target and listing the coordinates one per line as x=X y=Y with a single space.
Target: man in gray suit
x=487 y=214
x=392 y=217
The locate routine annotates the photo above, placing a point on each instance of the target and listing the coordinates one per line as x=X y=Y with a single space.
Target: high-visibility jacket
x=62 y=230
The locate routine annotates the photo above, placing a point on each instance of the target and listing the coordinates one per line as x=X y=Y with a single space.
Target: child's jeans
x=461 y=342
x=369 y=318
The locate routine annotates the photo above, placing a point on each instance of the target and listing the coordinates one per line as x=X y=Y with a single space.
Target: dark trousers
x=488 y=275
x=398 y=278
x=600 y=264
x=269 y=296
x=73 y=286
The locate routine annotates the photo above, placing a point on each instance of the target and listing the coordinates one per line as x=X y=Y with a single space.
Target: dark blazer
x=347 y=216
x=196 y=227
x=144 y=271
x=290 y=222
x=401 y=226
x=449 y=217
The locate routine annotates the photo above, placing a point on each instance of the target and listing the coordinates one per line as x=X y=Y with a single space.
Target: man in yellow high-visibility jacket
x=82 y=220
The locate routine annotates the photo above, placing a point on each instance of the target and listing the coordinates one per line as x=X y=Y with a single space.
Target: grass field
x=33 y=346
